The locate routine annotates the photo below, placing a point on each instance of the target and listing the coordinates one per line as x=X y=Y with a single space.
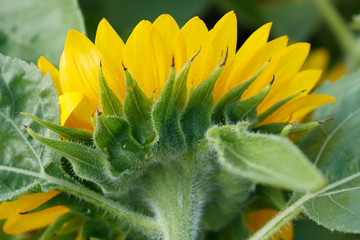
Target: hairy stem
x=176 y=199
x=281 y=219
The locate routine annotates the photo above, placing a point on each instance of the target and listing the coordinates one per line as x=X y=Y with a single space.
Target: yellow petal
x=234 y=76
x=112 y=49
x=284 y=64
x=318 y=59
x=237 y=73
x=168 y=29
x=74 y=111
x=147 y=58
x=224 y=36
x=46 y=67
x=220 y=39
x=179 y=51
x=25 y=203
x=336 y=72
x=79 y=67
x=258 y=219
x=297 y=109
x=195 y=35
x=302 y=81
x=17 y=223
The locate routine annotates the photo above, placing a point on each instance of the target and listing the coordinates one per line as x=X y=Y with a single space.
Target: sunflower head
x=129 y=111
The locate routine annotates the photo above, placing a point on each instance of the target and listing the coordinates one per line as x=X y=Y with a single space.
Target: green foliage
x=334 y=149
x=262 y=158
x=23 y=88
x=33 y=28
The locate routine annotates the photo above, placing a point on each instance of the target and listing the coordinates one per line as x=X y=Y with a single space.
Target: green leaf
x=267 y=159
x=23 y=88
x=196 y=117
x=110 y=103
x=166 y=118
x=33 y=28
x=72 y=134
x=137 y=108
x=334 y=148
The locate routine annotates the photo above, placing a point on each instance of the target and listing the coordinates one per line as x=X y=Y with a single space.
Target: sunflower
x=148 y=55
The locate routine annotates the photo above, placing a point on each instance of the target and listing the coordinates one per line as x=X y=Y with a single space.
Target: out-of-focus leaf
x=297 y=19
x=124 y=15
x=334 y=148
x=33 y=28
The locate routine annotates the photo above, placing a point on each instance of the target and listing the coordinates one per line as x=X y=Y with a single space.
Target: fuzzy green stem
x=337 y=24
x=281 y=219
x=177 y=202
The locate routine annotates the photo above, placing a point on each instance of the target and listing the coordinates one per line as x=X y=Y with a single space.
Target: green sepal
x=72 y=134
x=166 y=118
x=137 y=108
x=110 y=103
x=278 y=128
x=87 y=162
x=232 y=96
x=57 y=225
x=246 y=110
x=180 y=87
x=271 y=128
x=196 y=117
x=262 y=158
x=276 y=106
x=112 y=136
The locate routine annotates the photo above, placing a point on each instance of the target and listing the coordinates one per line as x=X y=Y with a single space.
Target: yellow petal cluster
x=148 y=53
x=18 y=220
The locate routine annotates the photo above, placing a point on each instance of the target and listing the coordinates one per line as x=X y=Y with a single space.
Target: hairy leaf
x=23 y=89
x=267 y=159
